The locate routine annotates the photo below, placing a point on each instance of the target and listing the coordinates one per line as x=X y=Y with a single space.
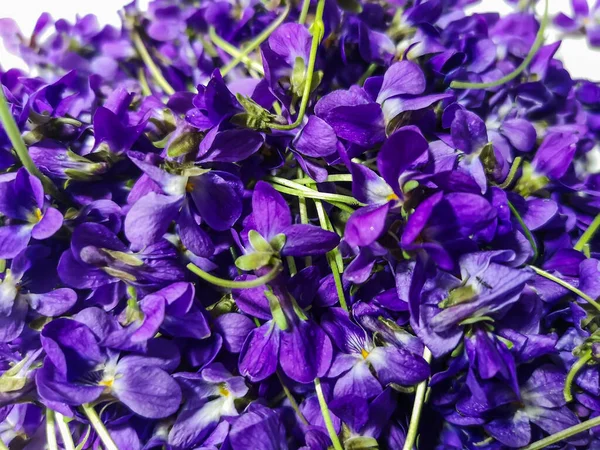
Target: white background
x=580 y=60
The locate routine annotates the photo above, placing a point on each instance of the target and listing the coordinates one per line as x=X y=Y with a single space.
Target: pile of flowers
x=287 y=224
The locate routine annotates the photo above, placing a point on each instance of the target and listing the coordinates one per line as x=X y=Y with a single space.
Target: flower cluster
x=277 y=224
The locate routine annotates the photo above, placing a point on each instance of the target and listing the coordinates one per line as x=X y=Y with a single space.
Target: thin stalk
x=331 y=257
x=525 y=229
x=566 y=285
x=232 y=50
x=303 y=217
x=150 y=64
x=292 y=400
x=260 y=281
x=588 y=234
x=337 y=445
x=65 y=433
x=304 y=191
x=14 y=134
x=99 y=427
x=415 y=417
x=330 y=179
x=292 y=265
x=370 y=71
x=255 y=43
x=564 y=434
x=539 y=40
x=511 y=175
x=304 y=12
x=146 y=91
x=579 y=364
x=50 y=430
x=317 y=30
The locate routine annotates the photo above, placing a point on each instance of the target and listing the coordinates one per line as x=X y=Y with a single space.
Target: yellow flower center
x=223 y=390
x=364 y=353
x=107 y=382
x=391 y=197
x=36 y=216
x=189 y=187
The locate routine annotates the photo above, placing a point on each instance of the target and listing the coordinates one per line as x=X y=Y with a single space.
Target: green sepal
x=474 y=320
x=530 y=181
x=255 y=117
x=120 y=274
x=133 y=313
x=253 y=261
x=258 y=242
x=123 y=257
x=298 y=77
x=488 y=158
x=276 y=311
x=410 y=186
x=184 y=144
x=361 y=443
x=297 y=309
x=278 y=242
x=10 y=381
x=462 y=294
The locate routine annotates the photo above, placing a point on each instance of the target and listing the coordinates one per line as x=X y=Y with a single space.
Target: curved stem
x=539 y=40
x=588 y=234
x=50 y=431
x=370 y=71
x=299 y=190
x=526 y=231
x=566 y=285
x=317 y=30
x=511 y=175
x=150 y=64
x=146 y=91
x=65 y=433
x=234 y=51
x=221 y=282
x=415 y=417
x=14 y=134
x=564 y=434
x=99 y=427
x=579 y=364
x=304 y=12
x=255 y=43
x=292 y=400
x=337 y=445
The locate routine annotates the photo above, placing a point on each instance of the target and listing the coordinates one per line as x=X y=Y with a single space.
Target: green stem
x=234 y=51
x=566 y=285
x=303 y=216
x=292 y=265
x=588 y=234
x=3 y=446
x=526 y=231
x=299 y=190
x=330 y=179
x=337 y=445
x=150 y=64
x=511 y=175
x=99 y=427
x=65 y=433
x=292 y=400
x=579 y=364
x=370 y=71
x=50 y=430
x=318 y=30
x=304 y=12
x=539 y=40
x=415 y=417
x=13 y=133
x=260 y=281
x=146 y=91
x=255 y=43
x=331 y=257
x=564 y=434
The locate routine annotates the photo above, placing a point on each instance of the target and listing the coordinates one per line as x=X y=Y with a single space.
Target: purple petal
x=53 y=303
x=217 y=196
x=234 y=328
x=305 y=352
x=233 y=146
x=514 y=431
x=271 y=212
x=394 y=365
x=362 y=124
x=259 y=355
x=403 y=77
x=13 y=239
x=192 y=236
x=555 y=154
x=317 y=139
x=51 y=222
x=520 y=133
x=366 y=225
x=308 y=240
x=148 y=220
x=469 y=132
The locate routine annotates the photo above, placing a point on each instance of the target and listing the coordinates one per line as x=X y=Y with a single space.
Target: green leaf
x=278 y=314
x=278 y=242
x=258 y=242
x=253 y=261
x=184 y=144
x=353 y=6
